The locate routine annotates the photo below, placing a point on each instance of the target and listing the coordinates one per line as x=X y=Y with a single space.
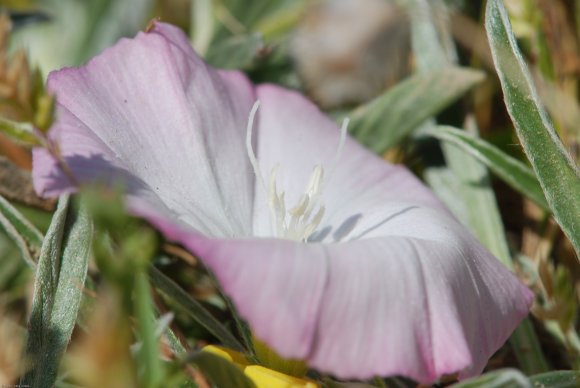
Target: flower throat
x=300 y=221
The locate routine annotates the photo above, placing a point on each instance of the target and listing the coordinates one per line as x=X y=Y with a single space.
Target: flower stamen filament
x=300 y=221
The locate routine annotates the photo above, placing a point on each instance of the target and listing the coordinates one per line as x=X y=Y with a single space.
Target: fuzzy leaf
x=515 y=173
x=557 y=379
x=58 y=287
x=236 y=52
x=556 y=172
x=19 y=132
x=503 y=378
x=108 y=20
x=20 y=230
x=385 y=121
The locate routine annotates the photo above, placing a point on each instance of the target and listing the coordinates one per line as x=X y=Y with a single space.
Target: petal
x=293 y=133
x=422 y=306
x=148 y=112
x=391 y=305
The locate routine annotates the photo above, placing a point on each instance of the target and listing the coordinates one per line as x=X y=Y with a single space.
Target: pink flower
x=364 y=273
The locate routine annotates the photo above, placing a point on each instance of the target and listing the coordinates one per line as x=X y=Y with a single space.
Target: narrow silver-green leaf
x=474 y=188
x=194 y=308
x=20 y=223
x=78 y=30
x=515 y=173
x=385 y=121
x=503 y=378
x=21 y=232
x=58 y=287
x=18 y=131
x=109 y=20
x=236 y=52
x=202 y=25
x=557 y=379
x=221 y=372
x=446 y=185
x=557 y=173
x=243 y=16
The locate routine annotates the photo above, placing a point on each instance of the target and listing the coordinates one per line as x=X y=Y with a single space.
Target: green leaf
x=474 y=188
x=557 y=379
x=280 y=22
x=236 y=52
x=446 y=185
x=20 y=223
x=24 y=235
x=109 y=20
x=243 y=16
x=221 y=372
x=511 y=378
x=385 y=121
x=78 y=30
x=504 y=378
x=515 y=173
x=527 y=349
x=19 y=132
x=430 y=38
x=202 y=25
x=557 y=173
x=58 y=288
x=194 y=308
x=150 y=364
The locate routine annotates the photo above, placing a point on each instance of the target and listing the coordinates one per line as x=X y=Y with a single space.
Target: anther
x=301 y=223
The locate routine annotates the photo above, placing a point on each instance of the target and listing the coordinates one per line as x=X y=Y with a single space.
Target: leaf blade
x=510 y=170
x=61 y=274
x=236 y=52
x=194 y=308
x=150 y=362
x=557 y=379
x=502 y=378
x=20 y=223
x=557 y=174
x=383 y=122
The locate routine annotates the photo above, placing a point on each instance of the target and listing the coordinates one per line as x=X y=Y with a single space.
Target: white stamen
x=316 y=179
x=276 y=201
x=301 y=223
x=300 y=209
x=310 y=228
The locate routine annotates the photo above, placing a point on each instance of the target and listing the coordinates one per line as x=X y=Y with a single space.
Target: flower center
x=300 y=221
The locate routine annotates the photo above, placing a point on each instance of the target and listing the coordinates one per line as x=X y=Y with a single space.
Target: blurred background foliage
x=393 y=66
